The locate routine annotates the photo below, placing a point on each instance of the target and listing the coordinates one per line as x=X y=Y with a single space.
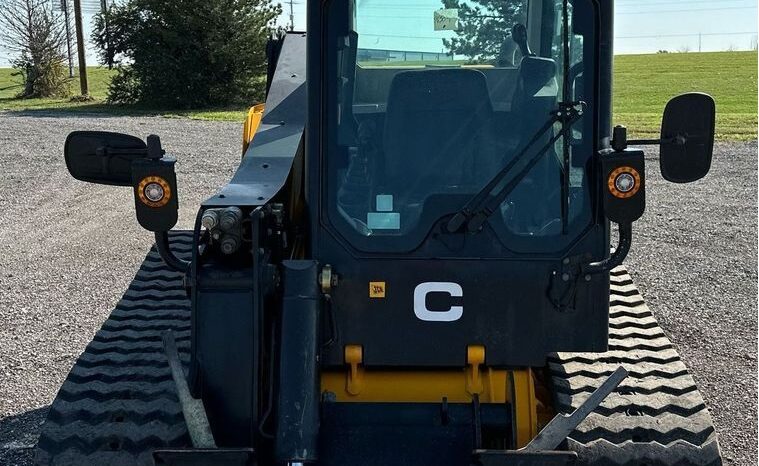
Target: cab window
x=429 y=100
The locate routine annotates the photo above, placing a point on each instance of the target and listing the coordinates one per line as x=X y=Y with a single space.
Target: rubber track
x=119 y=402
x=657 y=415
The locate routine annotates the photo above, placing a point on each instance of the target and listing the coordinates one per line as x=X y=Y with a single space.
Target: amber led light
x=624 y=182
x=154 y=191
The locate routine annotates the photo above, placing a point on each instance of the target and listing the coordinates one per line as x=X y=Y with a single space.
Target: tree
x=186 y=53
x=35 y=36
x=484 y=26
x=103 y=36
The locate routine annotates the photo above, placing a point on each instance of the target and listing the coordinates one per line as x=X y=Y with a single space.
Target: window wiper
x=482 y=205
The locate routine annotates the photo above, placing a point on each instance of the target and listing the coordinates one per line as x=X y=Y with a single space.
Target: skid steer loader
x=411 y=265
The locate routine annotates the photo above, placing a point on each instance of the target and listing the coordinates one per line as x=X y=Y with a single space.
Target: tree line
x=200 y=53
x=177 y=54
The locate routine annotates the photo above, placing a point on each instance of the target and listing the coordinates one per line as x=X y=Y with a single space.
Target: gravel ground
x=694 y=258
x=69 y=249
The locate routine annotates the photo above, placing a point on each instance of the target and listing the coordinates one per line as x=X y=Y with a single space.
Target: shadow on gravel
x=101 y=110
x=82 y=111
x=18 y=436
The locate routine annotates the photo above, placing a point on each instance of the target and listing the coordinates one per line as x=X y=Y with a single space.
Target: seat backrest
x=434 y=126
x=535 y=92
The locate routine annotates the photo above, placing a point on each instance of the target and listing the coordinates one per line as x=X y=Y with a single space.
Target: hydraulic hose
x=164 y=250
x=614 y=260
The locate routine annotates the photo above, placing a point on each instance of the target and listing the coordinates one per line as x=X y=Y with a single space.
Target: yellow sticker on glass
x=376 y=289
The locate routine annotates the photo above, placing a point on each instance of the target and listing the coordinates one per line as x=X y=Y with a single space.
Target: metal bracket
x=562 y=425
x=564 y=283
x=475 y=357
x=354 y=356
x=327 y=279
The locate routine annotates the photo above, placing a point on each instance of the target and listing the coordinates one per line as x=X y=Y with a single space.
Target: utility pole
x=109 y=51
x=80 y=48
x=67 y=18
x=292 y=16
x=699 y=42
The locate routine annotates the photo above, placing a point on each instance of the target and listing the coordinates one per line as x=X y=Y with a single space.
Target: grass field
x=98 y=79
x=643 y=84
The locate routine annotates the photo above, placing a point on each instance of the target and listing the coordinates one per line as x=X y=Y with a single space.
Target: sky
x=641 y=26
x=647 y=26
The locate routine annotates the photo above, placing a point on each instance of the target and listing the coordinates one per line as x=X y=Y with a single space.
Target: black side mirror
x=122 y=160
x=687 y=138
x=103 y=157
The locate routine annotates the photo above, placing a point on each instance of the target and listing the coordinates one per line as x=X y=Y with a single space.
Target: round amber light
x=154 y=191
x=624 y=182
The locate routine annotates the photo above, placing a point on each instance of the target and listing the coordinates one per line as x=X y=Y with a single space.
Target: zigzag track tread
x=656 y=416
x=119 y=401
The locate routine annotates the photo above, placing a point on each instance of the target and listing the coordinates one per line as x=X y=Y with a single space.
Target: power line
x=691 y=34
x=668 y=2
x=685 y=11
x=678 y=3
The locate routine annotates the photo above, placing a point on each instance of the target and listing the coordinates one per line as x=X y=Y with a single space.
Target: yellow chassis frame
x=516 y=387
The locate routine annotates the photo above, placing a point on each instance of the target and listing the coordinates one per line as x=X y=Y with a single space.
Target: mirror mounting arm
x=620 y=142
x=164 y=250
x=678 y=140
x=154 y=150
x=616 y=258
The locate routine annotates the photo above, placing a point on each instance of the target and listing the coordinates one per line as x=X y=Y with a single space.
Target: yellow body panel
x=516 y=387
x=396 y=386
x=526 y=416
x=252 y=121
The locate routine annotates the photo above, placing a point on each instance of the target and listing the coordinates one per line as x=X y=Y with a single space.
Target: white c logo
x=420 y=301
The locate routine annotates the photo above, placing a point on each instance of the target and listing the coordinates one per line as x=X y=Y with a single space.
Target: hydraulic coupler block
x=298 y=403
x=225 y=227
x=210 y=219
x=230 y=219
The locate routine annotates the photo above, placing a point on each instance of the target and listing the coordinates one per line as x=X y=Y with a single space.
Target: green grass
x=10 y=86
x=98 y=79
x=643 y=85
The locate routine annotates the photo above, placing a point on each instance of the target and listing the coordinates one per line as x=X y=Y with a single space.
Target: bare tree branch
x=35 y=35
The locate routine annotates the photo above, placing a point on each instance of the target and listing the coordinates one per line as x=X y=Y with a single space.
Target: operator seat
x=532 y=208
x=534 y=95
x=437 y=131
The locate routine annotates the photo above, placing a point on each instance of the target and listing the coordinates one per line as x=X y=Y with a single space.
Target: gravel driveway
x=69 y=249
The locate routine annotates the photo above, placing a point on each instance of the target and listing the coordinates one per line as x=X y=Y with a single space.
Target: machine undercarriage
x=119 y=402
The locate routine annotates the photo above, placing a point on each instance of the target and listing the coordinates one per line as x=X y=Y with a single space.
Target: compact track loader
x=411 y=265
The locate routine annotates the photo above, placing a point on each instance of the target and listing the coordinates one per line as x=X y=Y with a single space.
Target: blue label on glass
x=383 y=220
x=384 y=202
